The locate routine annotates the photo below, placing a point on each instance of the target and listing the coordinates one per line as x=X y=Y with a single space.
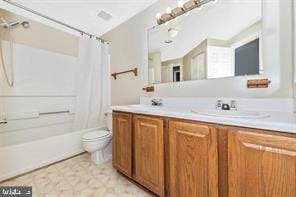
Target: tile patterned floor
x=77 y=177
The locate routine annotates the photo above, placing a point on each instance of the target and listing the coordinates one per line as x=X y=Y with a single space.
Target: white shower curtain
x=93 y=84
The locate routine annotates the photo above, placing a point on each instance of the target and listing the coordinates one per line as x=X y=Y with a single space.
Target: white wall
x=129 y=48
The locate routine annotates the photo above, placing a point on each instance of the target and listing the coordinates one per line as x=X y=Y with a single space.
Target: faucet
x=219 y=105
x=156 y=102
x=225 y=106
x=233 y=105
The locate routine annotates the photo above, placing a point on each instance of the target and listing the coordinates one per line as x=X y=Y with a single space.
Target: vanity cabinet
x=149 y=153
x=261 y=164
x=122 y=143
x=193 y=160
x=173 y=157
x=138 y=149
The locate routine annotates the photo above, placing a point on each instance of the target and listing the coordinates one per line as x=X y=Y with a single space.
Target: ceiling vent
x=105 y=16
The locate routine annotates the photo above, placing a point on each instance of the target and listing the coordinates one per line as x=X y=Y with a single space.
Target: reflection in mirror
x=220 y=40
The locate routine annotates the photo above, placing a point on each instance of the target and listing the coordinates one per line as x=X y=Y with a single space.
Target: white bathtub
x=22 y=158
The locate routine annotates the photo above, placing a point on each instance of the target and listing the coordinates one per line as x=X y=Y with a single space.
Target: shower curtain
x=93 y=84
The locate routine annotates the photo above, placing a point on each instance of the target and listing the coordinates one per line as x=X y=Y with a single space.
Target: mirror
x=220 y=40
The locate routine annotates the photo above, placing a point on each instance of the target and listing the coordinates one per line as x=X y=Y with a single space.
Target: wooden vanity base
x=174 y=157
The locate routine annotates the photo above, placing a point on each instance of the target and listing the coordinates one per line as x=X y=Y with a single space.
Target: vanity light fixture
x=181 y=9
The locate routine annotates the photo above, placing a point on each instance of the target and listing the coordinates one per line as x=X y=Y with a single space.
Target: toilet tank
x=108 y=119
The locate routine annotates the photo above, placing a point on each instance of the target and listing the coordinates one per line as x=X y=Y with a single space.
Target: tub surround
x=18 y=159
x=280 y=111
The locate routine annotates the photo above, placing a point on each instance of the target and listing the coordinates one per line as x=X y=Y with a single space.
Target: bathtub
x=21 y=158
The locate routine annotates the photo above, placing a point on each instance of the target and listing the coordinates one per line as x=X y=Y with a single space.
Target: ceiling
x=82 y=14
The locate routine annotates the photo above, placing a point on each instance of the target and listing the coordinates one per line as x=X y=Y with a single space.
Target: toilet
x=96 y=140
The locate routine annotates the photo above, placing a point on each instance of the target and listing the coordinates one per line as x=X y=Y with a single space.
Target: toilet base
x=99 y=157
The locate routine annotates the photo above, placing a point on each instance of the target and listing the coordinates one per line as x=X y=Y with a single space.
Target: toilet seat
x=95 y=135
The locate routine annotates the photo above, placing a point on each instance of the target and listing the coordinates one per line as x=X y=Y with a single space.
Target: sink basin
x=145 y=107
x=232 y=114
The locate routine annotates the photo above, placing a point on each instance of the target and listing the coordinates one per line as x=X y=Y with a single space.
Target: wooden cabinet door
x=193 y=160
x=261 y=164
x=149 y=153
x=122 y=143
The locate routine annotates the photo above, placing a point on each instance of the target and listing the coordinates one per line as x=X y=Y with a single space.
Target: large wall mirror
x=220 y=40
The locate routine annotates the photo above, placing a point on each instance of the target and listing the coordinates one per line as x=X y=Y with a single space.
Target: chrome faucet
x=233 y=105
x=156 y=102
x=219 y=105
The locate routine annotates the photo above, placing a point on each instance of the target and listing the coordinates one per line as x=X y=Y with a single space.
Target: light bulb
x=173 y=32
x=169 y=10
x=180 y=4
x=158 y=16
x=196 y=2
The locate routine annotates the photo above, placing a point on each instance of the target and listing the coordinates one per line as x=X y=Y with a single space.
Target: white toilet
x=95 y=141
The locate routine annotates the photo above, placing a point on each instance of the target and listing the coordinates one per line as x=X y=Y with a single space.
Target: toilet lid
x=95 y=134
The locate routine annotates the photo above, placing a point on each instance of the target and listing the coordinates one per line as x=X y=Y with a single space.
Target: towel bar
x=54 y=112
x=135 y=71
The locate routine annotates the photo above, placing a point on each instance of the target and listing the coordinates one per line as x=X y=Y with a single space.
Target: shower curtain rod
x=53 y=20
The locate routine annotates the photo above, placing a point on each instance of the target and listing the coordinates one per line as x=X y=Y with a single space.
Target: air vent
x=105 y=16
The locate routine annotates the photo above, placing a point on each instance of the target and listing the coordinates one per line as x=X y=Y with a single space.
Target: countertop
x=276 y=121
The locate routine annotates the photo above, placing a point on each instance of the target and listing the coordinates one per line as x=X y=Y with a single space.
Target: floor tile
x=77 y=177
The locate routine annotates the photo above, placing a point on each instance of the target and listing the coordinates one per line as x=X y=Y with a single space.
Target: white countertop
x=277 y=121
